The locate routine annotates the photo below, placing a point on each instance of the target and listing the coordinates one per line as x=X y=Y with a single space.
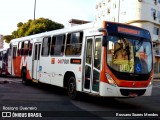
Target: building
x=141 y=13
x=1 y=41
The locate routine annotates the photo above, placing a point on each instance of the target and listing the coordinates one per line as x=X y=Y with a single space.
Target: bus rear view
x=128 y=61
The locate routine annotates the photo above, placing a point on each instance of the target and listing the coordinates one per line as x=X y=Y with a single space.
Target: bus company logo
x=6 y=114
x=63 y=61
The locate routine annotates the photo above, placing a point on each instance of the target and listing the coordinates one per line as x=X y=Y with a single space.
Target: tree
x=33 y=27
x=8 y=38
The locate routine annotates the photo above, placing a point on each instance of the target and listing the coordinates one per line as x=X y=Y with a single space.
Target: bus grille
x=127 y=92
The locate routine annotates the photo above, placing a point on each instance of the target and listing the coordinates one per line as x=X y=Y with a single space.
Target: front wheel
x=72 y=92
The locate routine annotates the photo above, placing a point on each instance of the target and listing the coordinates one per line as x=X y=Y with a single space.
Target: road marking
x=15 y=81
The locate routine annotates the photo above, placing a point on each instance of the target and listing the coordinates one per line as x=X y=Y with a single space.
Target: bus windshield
x=129 y=55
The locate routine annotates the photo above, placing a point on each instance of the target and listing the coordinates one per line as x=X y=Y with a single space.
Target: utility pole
x=34 y=9
x=119 y=10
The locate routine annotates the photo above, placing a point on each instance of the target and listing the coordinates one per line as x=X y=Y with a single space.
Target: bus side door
x=36 y=58
x=92 y=64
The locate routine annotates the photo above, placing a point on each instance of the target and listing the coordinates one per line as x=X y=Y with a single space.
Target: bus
x=3 y=61
x=100 y=58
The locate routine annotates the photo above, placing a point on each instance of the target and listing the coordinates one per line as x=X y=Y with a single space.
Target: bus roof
x=97 y=25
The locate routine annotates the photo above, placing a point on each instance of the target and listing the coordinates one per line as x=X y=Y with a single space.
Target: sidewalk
x=3 y=81
x=156 y=79
x=8 y=79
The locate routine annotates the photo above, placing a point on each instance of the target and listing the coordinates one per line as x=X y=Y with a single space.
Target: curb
x=156 y=80
x=4 y=82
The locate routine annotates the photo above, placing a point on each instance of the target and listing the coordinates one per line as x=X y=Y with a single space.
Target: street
x=45 y=102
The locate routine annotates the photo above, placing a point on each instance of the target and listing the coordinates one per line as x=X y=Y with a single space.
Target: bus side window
x=19 y=49
x=30 y=49
x=74 y=43
x=26 y=47
x=46 y=46
x=57 y=46
x=14 y=52
x=22 y=48
x=53 y=45
x=0 y=56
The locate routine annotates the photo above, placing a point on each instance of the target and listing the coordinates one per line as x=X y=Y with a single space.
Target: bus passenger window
x=22 y=49
x=26 y=47
x=57 y=46
x=46 y=46
x=19 y=48
x=0 y=55
x=74 y=43
x=30 y=49
x=14 y=52
x=52 y=45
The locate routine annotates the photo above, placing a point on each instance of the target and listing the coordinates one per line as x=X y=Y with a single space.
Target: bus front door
x=92 y=64
x=36 y=68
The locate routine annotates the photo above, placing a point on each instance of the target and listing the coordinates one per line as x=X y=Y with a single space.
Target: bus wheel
x=24 y=77
x=72 y=92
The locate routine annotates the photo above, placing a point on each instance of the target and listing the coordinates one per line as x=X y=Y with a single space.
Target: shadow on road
x=109 y=102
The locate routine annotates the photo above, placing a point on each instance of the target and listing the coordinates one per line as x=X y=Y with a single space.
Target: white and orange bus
x=4 y=61
x=103 y=58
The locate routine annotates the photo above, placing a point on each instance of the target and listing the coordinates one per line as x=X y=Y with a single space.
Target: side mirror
x=105 y=35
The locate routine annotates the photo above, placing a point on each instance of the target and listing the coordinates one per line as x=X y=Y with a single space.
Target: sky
x=61 y=11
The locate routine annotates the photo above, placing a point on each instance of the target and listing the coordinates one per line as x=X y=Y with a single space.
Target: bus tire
x=24 y=77
x=71 y=89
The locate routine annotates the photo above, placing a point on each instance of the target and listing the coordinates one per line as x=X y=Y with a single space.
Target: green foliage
x=33 y=27
x=8 y=38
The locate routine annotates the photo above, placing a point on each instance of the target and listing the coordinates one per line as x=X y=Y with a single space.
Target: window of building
x=114 y=5
x=57 y=45
x=74 y=43
x=156 y=68
x=156 y=31
x=153 y=13
x=109 y=11
x=155 y=2
x=46 y=46
x=158 y=15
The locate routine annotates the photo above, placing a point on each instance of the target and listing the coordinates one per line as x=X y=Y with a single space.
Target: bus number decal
x=63 y=61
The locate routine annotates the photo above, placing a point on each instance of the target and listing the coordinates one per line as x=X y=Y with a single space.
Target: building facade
x=1 y=41
x=141 y=13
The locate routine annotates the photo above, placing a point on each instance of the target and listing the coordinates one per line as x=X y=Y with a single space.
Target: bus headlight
x=110 y=80
x=150 y=84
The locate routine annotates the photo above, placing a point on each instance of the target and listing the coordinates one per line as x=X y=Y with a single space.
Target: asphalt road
x=49 y=102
